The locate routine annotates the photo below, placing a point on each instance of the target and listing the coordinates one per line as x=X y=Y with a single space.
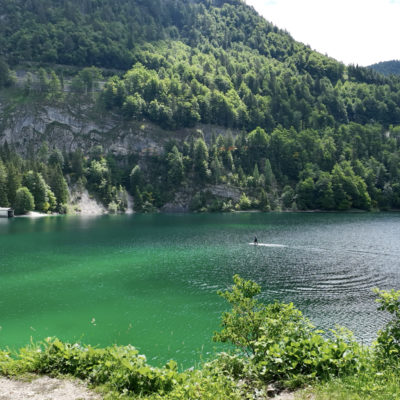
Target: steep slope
x=299 y=129
x=387 y=67
x=106 y=33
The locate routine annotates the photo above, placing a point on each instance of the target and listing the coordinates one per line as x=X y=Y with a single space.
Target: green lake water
x=151 y=280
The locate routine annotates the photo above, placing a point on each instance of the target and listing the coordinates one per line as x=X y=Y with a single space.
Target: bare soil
x=45 y=388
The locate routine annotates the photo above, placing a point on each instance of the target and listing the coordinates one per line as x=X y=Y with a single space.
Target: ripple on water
x=163 y=272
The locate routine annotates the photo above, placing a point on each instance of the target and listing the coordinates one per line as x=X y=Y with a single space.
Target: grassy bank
x=274 y=344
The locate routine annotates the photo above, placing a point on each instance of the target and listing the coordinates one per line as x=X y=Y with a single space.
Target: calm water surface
x=151 y=280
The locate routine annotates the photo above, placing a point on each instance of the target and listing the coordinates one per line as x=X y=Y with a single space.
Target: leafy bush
x=120 y=371
x=244 y=202
x=120 y=368
x=388 y=341
x=280 y=342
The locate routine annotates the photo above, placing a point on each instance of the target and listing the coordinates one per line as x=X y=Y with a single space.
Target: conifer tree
x=58 y=186
x=200 y=161
x=175 y=167
x=13 y=183
x=136 y=178
x=37 y=186
x=3 y=186
x=269 y=175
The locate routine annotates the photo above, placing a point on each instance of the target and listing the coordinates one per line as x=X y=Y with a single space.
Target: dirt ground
x=45 y=388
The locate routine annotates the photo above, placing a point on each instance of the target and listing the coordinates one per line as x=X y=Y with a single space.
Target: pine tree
x=264 y=202
x=3 y=186
x=54 y=86
x=138 y=200
x=37 y=186
x=200 y=161
x=269 y=175
x=175 y=167
x=13 y=183
x=58 y=186
x=256 y=175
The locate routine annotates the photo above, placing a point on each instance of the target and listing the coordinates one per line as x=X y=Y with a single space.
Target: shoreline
x=37 y=214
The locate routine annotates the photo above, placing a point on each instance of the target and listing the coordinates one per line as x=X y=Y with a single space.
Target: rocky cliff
x=27 y=126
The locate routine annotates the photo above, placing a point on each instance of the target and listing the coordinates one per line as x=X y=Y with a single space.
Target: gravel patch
x=45 y=388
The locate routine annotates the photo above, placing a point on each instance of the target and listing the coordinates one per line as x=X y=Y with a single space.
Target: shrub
x=119 y=368
x=280 y=342
x=121 y=371
x=388 y=341
x=244 y=202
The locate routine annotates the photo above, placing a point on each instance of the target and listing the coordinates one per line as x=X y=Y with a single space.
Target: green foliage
x=24 y=201
x=242 y=325
x=120 y=371
x=283 y=345
x=6 y=78
x=200 y=160
x=39 y=189
x=175 y=167
x=180 y=63
x=387 y=67
x=120 y=368
x=276 y=344
x=244 y=202
x=3 y=186
x=59 y=186
x=136 y=179
x=388 y=341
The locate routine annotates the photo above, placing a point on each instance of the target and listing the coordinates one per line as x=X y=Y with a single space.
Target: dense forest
x=387 y=67
x=304 y=131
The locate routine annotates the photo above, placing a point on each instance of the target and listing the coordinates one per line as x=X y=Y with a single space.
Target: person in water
x=255 y=240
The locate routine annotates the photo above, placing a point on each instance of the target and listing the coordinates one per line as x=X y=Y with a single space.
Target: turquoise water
x=151 y=280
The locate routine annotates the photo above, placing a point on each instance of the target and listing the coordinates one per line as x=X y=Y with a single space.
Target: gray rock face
x=28 y=126
x=183 y=198
x=225 y=192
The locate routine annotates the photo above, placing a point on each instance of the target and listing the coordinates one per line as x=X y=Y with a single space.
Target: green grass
x=385 y=387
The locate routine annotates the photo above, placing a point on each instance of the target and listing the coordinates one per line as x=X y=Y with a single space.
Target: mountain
x=198 y=104
x=387 y=67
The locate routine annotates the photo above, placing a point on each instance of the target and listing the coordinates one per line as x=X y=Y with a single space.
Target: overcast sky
x=359 y=32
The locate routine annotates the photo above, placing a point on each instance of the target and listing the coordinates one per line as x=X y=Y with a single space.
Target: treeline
x=353 y=166
x=387 y=67
x=42 y=182
x=32 y=185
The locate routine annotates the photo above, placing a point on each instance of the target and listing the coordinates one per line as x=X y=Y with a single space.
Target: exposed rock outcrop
x=183 y=198
x=67 y=128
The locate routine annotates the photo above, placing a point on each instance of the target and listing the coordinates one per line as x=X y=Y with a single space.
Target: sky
x=361 y=32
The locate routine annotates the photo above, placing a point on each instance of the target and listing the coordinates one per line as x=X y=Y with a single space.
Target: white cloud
x=353 y=31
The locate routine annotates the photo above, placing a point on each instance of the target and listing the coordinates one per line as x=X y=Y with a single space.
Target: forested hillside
x=306 y=131
x=387 y=67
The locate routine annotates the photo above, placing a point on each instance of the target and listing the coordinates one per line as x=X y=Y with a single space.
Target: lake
x=151 y=280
